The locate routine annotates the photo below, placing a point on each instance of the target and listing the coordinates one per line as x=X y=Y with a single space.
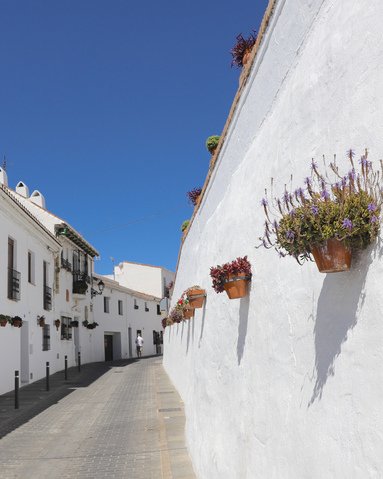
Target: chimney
x=38 y=199
x=3 y=177
x=22 y=189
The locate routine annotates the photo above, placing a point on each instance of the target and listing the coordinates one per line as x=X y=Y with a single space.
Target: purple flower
x=264 y=202
x=325 y=194
x=372 y=207
x=292 y=212
x=373 y=219
x=347 y=224
x=351 y=175
x=314 y=164
x=307 y=181
x=344 y=181
x=275 y=224
x=290 y=235
x=363 y=161
x=314 y=210
x=350 y=153
x=286 y=197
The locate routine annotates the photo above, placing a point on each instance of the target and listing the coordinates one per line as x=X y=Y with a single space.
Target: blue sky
x=105 y=107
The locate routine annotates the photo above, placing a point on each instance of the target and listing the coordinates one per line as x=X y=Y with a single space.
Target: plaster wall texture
x=144 y=278
x=287 y=383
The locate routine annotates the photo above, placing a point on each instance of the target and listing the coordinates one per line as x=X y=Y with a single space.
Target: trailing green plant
x=242 y=46
x=176 y=314
x=184 y=225
x=212 y=143
x=220 y=274
x=346 y=207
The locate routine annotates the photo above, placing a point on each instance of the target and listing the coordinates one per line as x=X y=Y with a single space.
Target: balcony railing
x=13 y=284
x=80 y=283
x=47 y=298
x=65 y=264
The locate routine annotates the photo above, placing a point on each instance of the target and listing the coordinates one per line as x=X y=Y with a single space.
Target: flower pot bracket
x=194 y=296
x=237 y=278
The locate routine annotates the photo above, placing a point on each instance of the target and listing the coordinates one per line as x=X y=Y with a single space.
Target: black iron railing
x=13 y=284
x=80 y=283
x=65 y=264
x=47 y=298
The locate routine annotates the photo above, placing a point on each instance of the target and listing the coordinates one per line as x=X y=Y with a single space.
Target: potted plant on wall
x=212 y=143
x=176 y=314
x=74 y=323
x=232 y=277
x=185 y=225
x=16 y=321
x=242 y=49
x=184 y=306
x=194 y=196
x=329 y=218
x=57 y=324
x=4 y=319
x=196 y=296
x=41 y=321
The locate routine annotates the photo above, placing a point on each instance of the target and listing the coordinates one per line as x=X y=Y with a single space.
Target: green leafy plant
x=346 y=207
x=212 y=143
x=184 y=225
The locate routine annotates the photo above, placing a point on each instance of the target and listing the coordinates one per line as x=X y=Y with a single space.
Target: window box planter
x=196 y=296
x=333 y=256
x=232 y=277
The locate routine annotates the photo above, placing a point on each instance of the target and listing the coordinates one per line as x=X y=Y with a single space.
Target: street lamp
x=94 y=292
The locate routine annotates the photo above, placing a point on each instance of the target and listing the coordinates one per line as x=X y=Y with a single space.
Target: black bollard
x=47 y=376
x=16 y=389
x=66 y=368
x=79 y=361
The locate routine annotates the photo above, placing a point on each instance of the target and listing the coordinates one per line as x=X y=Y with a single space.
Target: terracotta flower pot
x=236 y=286
x=333 y=256
x=17 y=323
x=57 y=324
x=188 y=313
x=196 y=298
x=3 y=322
x=246 y=57
x=41 y=323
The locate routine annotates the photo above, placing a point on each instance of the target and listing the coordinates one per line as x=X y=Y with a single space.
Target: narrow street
x=121 y=420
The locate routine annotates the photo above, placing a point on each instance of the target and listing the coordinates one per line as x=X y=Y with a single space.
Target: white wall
x=144 y=278
x=287 y=382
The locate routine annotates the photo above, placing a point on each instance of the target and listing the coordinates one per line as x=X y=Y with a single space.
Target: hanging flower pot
x=41 y=321
x=57 y=324
x=333 y=256
x=4 y=320
x=196 y=296
x=188 y=313
x=17 y=322
x=236 y=286
x=232 y=277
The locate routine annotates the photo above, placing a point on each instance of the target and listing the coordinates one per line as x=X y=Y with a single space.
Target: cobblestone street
x=126 y=423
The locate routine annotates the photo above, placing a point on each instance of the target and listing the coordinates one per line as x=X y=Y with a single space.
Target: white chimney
x=38 y=199
x=22 y=189
x=3 y=177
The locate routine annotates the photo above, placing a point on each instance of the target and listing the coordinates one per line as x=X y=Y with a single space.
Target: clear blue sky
x=105 y=106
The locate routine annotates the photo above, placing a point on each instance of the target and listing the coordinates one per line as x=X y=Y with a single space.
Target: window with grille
x=66 y=328
x=46 y=329
x=120 y=309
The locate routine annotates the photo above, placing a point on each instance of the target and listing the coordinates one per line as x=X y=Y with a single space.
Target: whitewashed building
x=66 y=309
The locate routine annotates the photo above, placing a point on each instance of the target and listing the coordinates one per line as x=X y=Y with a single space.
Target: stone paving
x=112 y=420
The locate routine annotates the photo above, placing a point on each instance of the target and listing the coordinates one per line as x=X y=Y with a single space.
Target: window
x=146 y=307
x=120 y=311
x=47 y=291
x=158 y=309
x=135 y=304
x=66 y=328
x=106 y=304
x=13 y=275
x=31 y=267
x=46 y=337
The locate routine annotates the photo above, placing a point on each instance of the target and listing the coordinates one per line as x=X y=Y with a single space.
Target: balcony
x=13 y=284
x=65 y=264
x=47 y=298
x=80 y=283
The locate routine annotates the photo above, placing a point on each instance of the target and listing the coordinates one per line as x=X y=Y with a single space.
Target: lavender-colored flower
x=344 y=181
x=351 y=175
x=372 y=207
x=373 y=219
x=350 y=153
x=264 y=202
x=325 y=194
x=307 y=181
x=347 y=224
x=292 y=212
x=314 y=210
x=275 y=225
x=290 y=235
x=363 y=160
x=286 y=197
x=314 y=165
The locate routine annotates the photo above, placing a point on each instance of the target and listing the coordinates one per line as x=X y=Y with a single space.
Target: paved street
x=116 y=420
